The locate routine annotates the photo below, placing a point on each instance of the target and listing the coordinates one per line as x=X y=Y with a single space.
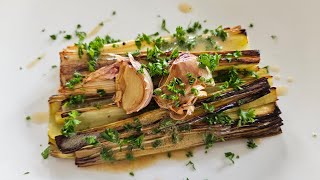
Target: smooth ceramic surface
x=291 y=155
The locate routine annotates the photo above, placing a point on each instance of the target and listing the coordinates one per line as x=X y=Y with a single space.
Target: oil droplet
x=97 y=28
x=40 y=117
x=290 y=79
x=274 y=68
x=185 y=7
x=35 y=61
x=282 y=90
x=277 y=77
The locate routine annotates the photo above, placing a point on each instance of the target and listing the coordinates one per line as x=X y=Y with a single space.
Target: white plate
x=291 y=155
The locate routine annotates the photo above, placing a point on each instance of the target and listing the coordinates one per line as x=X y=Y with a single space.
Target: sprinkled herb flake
x=68 y=37
x=53 y=37
x=163 y=26
x=45 y=153
x=28 y=118
x=251 y=144
x=191 y=164
x=131 y=174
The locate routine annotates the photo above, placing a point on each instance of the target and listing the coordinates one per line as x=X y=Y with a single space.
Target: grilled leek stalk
x=216 y=115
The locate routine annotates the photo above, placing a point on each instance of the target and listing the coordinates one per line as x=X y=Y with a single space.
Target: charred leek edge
x=248 y=58
x=152 y=119
x=263 y=126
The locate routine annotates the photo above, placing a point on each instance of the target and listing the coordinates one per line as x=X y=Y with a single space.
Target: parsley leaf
x=45 y=153
x=209 y=108
x=91 y=140
x=111 y=135
x=70 y=124
x=68 y=37
x=156 y=143
x=74 y=100
x=107 y=154
x=191 y=164
x=220 y=32
x=251 y=144
x=76 y=79
x=131 y=174
x=230 y=156
x=246 y=117
x=28 y=118
x=163 y=26
x=189 y=154
x=53 y=37
x=220 y=118
x=209 y=140
x=209 y=60
x=194 y=28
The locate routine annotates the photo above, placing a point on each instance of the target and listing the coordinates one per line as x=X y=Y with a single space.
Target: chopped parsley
x=54 y=66
x=78 y=26
x=251 y=144
x=191 y=164
x=108 y=40
x=251 y=25
x=231 y=79
x=163 y=26
x=74 y=100
x=131 y=174
x=274 y=36
x=91 y=140
x=114 y=13
x=220 y=118
x=194 y=28
x=76 y=79
x=107 y=154
x=220 y=32
x=28 y=118
x=111 y=135
x=183 y=40
x=68 y=37
x=246 y=117
x=70 y=123
x=156 y=143
x=142 y=38
x=189 y=154
x=101 y=24
x=209 y=140
x=169 y=154
x=53 y=37
x=157 y=91
x=129 y=156
x=45 y=153
x=191 y=79
x=195 y=91
x=231 y=156
x=26 y=173
x=235 y=55
x=93 y=51
x=209 y=60
x=209 y=108
x=101 y=92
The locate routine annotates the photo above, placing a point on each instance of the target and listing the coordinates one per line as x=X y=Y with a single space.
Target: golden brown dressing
x=40 y=117
x=138 y=163
x=274 y=68
x=290 y=79
x=282 y=90
x=185 y=7
x=35 y=61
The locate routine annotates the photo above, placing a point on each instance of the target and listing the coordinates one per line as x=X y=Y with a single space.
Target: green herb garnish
x=111 y=135
x=220 y=32
x=194 y=28
x=67 y=37
x=156 y=143
x=45 y=153
x=163 y=26
x=131 y=174
x=191 y=164
x=107 y=154
x=28 y=118
x=70 y=124
x=189 y=154
x=209 y=60
x=209 y=108
x=251 y=144
x=209 y=140
x=76 y=79
x=231 y=156
x=91 y=140
x=74 y=100
x=220 y=118
x=53 y=37
x=101 y=92
x=246 y=117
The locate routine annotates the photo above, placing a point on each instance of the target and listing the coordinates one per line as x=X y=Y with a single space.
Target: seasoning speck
x=28 y=118
x=131 y=174
x=274 y=37
x=53 y=37
x=43 y=30
x=114 y=13
x=54 y=66
x=314 y=135
x=26 y=173
x=251 y=25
